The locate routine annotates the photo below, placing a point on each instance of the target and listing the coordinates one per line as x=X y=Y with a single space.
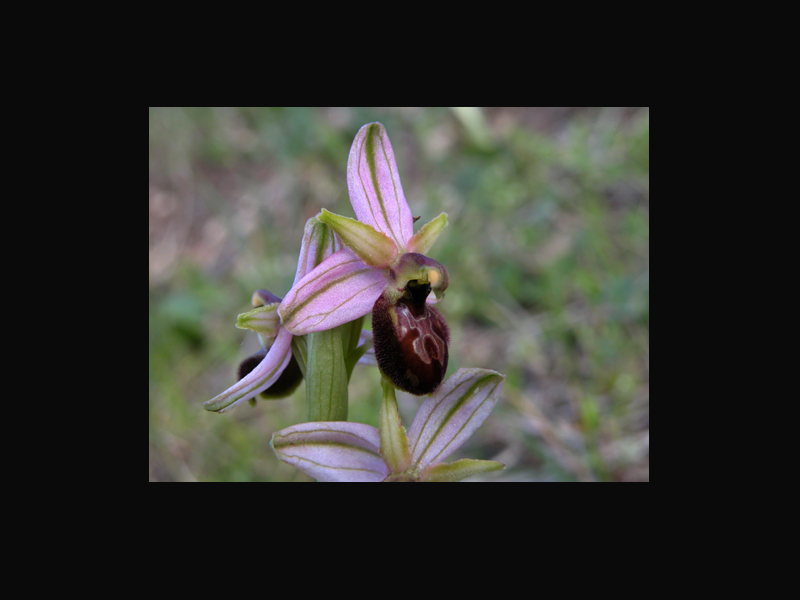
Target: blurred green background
x=548 y=250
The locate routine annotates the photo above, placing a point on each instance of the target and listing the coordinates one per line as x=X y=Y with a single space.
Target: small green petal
x=460 y=469
x=452 y=414
x=264 y=320
x=300 y=352
x=426 y=236
x=374 y=248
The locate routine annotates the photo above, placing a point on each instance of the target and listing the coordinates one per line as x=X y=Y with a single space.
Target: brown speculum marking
x=411 y=339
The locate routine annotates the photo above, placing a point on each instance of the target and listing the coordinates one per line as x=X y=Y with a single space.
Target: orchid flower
x=263 y=372
x=382 y=270
x=344 y=451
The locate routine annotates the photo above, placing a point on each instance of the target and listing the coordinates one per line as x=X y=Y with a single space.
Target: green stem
x=326 y=374
x=299 y=351
x=349 y=344
x=394 y=441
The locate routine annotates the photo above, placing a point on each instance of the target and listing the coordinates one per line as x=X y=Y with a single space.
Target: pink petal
x=452 y=414
x=374 y=184
x=259 y=379
x=318 y=244
x=339 y=290
x=332 y=450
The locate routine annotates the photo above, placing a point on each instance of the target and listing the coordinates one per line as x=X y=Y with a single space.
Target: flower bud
x=410 y=338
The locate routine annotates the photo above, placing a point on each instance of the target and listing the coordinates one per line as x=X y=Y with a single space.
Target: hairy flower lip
x=411 y=343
